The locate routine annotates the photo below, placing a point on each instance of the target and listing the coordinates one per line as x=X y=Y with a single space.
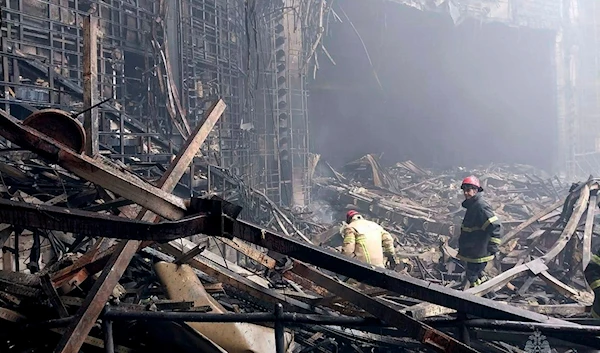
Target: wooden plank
x=89 y=312
x=90 y=84
x=589 y=230
x=560 y=287
x=270 y=263
x=5 y=234
x=564 y=310
x=7 y=256
x=514 y=232
x=53 y=296
x=567 y=233
x=254 y=254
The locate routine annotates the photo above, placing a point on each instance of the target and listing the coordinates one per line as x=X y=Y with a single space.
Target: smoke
x=323 y=212
x=454 y=95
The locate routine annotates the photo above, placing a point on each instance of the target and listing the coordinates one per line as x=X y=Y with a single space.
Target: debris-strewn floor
x=49 y=269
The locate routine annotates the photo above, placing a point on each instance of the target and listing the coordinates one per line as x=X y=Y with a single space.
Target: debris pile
x=95 y=256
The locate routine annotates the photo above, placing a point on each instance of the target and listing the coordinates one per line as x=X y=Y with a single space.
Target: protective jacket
x=481 y=231
x=367 y=241
x=592 y=276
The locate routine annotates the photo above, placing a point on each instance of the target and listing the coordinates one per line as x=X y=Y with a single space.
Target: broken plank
x=270 y=263
x=589 y=229
x=560 y=287
x=567 y=233
x=53 y=296
x=514 y=232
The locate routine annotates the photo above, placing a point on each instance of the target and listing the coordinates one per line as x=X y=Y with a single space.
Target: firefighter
x=367 y=241
x=481 y=232
x=592 y=276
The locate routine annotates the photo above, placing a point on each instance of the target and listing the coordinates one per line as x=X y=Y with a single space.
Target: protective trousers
x=475 y=274
x=596 y=304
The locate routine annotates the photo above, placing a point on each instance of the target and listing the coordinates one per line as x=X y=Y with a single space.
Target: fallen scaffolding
x=295 y=274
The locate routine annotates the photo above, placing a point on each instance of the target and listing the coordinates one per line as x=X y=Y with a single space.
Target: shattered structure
x=159 y=194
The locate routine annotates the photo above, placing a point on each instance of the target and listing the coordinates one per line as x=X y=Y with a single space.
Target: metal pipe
x=279 y=329
x=109 y=343
x=515 y=326
x=527 y=326
x=53 y=323
x=192 y=316
x=463 y=329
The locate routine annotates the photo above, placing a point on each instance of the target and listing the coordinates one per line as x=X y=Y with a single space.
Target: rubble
x=63 y=275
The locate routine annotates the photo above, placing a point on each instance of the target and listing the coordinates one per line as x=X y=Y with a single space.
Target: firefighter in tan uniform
x=367 y=241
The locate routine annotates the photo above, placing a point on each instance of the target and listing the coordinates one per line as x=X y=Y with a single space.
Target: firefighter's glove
x=493 y=248
x=392 y=262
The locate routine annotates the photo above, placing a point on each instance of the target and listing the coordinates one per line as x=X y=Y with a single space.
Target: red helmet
x=471 y=180
x=351 y=214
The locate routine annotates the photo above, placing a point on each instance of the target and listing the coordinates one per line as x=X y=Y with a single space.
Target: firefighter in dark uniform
x=480 y=235
x=592 y=276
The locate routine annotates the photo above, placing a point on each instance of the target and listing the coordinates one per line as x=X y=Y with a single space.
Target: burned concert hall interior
x=295 y=176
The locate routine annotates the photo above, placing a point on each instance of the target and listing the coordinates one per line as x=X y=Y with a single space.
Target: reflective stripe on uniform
x=349 y=239
x=469 y=229
x=361 y=240
x=596 y=259
x=483 y=227
x=595 y=284
x=488 y=222
x=478 y=260
x=495 y=240
x=480 y=281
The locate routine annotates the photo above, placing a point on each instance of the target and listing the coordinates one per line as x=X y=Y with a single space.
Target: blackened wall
x=451 y=95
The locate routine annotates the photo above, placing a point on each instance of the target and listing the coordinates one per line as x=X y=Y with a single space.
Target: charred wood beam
x=560 y=287
x=97 y=170
x=514 y=232
x=189 y=255
x=403 y=285
x=74 y=336
x=90 y=84
x=53 y=296
x=589 y=229
x=29 y=216
x=427 y=335
x=567 y=233
x=114 y=204
x=271 y=263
